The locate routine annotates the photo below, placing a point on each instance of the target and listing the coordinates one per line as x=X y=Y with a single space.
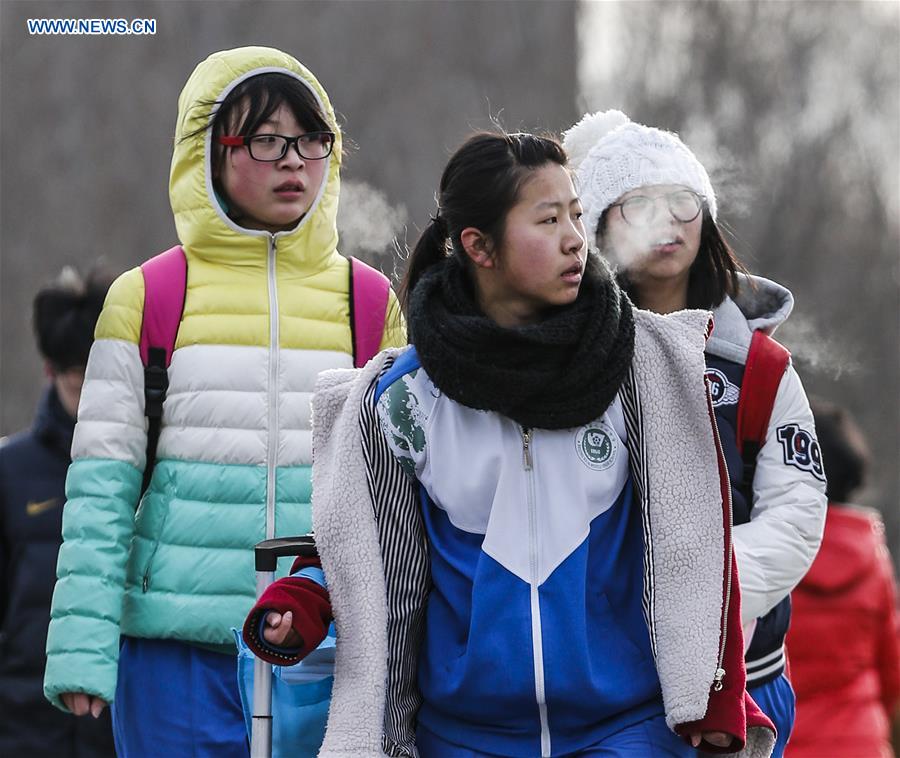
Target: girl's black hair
x=713 y=274
x=261 y=96
x=845 y=454
x=64 y=315
x=480 y=184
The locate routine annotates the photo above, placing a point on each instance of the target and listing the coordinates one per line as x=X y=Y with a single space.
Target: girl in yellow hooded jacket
x=254 y=188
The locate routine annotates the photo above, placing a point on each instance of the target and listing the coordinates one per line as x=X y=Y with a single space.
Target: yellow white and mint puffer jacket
x=263 y=315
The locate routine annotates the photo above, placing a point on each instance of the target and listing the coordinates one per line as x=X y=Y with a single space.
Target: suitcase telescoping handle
x=269 y=551
x=267 y=555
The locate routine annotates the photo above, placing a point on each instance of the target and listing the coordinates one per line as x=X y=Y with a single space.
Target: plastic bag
x=301 y=695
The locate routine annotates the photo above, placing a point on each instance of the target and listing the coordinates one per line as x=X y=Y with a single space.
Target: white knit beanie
x=613 y=155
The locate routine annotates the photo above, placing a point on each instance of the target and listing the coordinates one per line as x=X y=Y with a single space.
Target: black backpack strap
x=156 y=383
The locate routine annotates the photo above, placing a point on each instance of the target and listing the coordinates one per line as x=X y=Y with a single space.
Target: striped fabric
x=766 y=667
x=404 y=550
x=637 y=456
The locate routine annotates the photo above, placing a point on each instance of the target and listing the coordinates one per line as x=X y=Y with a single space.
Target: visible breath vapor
x=638 y=246
x=730 y=181
x=367 y=223
x=817 y=349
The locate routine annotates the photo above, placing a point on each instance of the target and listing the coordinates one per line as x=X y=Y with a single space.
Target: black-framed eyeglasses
x=313 y=146
x=640 y=210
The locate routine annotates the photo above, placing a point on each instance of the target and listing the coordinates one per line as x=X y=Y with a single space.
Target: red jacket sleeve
x=306 y=600
x=730 y=709
x=888 y=656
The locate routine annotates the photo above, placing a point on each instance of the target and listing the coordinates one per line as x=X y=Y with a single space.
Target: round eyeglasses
x=640 y=210
x=312 y=146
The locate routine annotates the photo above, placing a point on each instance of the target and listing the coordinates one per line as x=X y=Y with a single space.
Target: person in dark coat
x=33 y=466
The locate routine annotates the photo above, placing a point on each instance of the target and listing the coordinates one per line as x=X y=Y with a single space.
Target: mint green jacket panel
x=191 y=573
x=98 y=521
x=166 y=586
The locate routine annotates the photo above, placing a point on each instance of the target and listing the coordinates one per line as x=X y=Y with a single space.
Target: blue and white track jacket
x=477 y=596
x=536 y=558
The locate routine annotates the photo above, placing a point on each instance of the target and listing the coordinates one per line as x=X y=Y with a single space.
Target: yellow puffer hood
x=203 y=228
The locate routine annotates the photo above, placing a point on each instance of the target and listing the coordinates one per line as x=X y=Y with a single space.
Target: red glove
x=311 y=608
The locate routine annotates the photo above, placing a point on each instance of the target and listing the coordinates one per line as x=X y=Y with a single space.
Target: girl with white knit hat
x=651 y=210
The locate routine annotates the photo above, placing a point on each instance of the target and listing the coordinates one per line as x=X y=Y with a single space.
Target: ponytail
x=431 y=248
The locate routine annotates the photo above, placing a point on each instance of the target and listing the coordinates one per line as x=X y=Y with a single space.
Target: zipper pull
x=145 y=583
x=717 y=680
x=526 y=448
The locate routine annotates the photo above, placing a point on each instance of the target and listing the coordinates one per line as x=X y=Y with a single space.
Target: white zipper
x=272 y=433
x=526 y=449
x=537 y=642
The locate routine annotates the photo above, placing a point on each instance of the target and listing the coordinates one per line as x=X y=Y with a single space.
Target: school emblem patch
x=597 y=445
x=721 y=390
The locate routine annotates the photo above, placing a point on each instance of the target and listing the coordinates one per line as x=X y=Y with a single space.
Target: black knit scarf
x=560 y=373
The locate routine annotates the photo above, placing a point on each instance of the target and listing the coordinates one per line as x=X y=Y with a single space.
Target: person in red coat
x=843 y=643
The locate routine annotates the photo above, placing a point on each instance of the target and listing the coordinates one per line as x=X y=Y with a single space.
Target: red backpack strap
x=767 y=361
x=165 y=284
x=369 y=292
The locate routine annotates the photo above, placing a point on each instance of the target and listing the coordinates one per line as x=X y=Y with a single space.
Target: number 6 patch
x=801 y=450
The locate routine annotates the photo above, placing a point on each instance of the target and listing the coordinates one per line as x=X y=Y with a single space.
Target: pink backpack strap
x=165 y=282
x=369 y=292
